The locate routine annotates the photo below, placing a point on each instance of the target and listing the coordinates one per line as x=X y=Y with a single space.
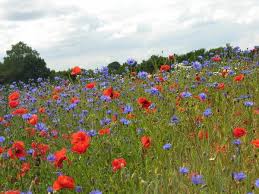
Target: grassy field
x=179 y=131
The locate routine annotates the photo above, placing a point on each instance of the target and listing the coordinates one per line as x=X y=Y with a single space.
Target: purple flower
x=237 y=142
x=186 y=94
x=183 y=170
x=49 y=189
x=92 y=133
x=167 y=146
x=51 y=158
x=78 y=189
x=257 y=183
x=207 y=112
x=175 y=119
x=2 y=139
x=125 y=121
x=131 y=62
x=197 y=66
x=128 y=109
x=142 y=75
x=197 y=179
x=95 y=192
x=239 y=176
x=41 y=127
x=248 y=103
x=203 y=96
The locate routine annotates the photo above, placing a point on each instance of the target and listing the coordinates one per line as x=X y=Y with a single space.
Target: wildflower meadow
x=187 y=128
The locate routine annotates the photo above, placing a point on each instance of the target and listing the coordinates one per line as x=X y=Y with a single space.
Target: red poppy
x=12 y=192
x=55 y=97
x=33 y=120
x=80 y=142
x=111 y=93
x=14 y=96
x=164 y=68
x=60 y=156
x=40 y=149
x=203 y=134
x=42 y=110
x=221 y=148
x=106 y=131
x=17 y=150
x=255 y=143
x=76 y=71
x=64 y=182
x=1 y=150
x=216 y=58
x=20 y=111
x=239 y=132
x=74 y=100
x=30 y=131
x=146 y=141
x=118 y=163
x=25 y=168
x=90 y=85
x=221 y=86
x=14 y=103
x=144 y=102
x=239 y=78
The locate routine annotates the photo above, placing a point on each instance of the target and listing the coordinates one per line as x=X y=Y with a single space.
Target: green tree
x=23 y=63
x=114 y=67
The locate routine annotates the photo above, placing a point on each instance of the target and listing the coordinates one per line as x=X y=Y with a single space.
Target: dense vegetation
x=175 y=131
x=22 y=63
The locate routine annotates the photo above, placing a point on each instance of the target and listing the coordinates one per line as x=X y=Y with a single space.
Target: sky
x=93 y=33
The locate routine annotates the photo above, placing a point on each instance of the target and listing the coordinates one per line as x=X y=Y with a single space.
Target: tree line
x=22 y=63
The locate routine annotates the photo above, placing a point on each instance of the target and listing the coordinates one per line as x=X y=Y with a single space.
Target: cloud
x=94 y=33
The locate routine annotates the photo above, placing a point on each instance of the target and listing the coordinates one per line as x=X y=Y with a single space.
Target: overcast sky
x=92 y=33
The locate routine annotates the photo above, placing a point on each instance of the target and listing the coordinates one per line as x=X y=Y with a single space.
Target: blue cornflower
x=109 y=112
x=197 y=66
x=125 y=121
x=197 y=179
x=51 y=158
x=186 y=94
x=154 y=91
x=30 y=151
x=175 y=119
x=207 y=112
x=105 y=121
x=49 y=189
x=183 y=170
x=237 y=142
x=128 y=109
x=142 y=75
x=203 y=96
x=95 y=192
x=239 y=176
x=105 y=98
x=26 y=116
x=41 y=127
x=2 y=139
x=92 y=133
x=131 y=62
x=248 y=103
x=78 y=189
x=167 y=146
x=257 y=183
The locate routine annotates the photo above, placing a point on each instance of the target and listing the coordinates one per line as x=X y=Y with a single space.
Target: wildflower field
x=192 y=130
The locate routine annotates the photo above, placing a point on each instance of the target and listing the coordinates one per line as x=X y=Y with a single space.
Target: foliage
x=22 y=63
x=185 y=131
